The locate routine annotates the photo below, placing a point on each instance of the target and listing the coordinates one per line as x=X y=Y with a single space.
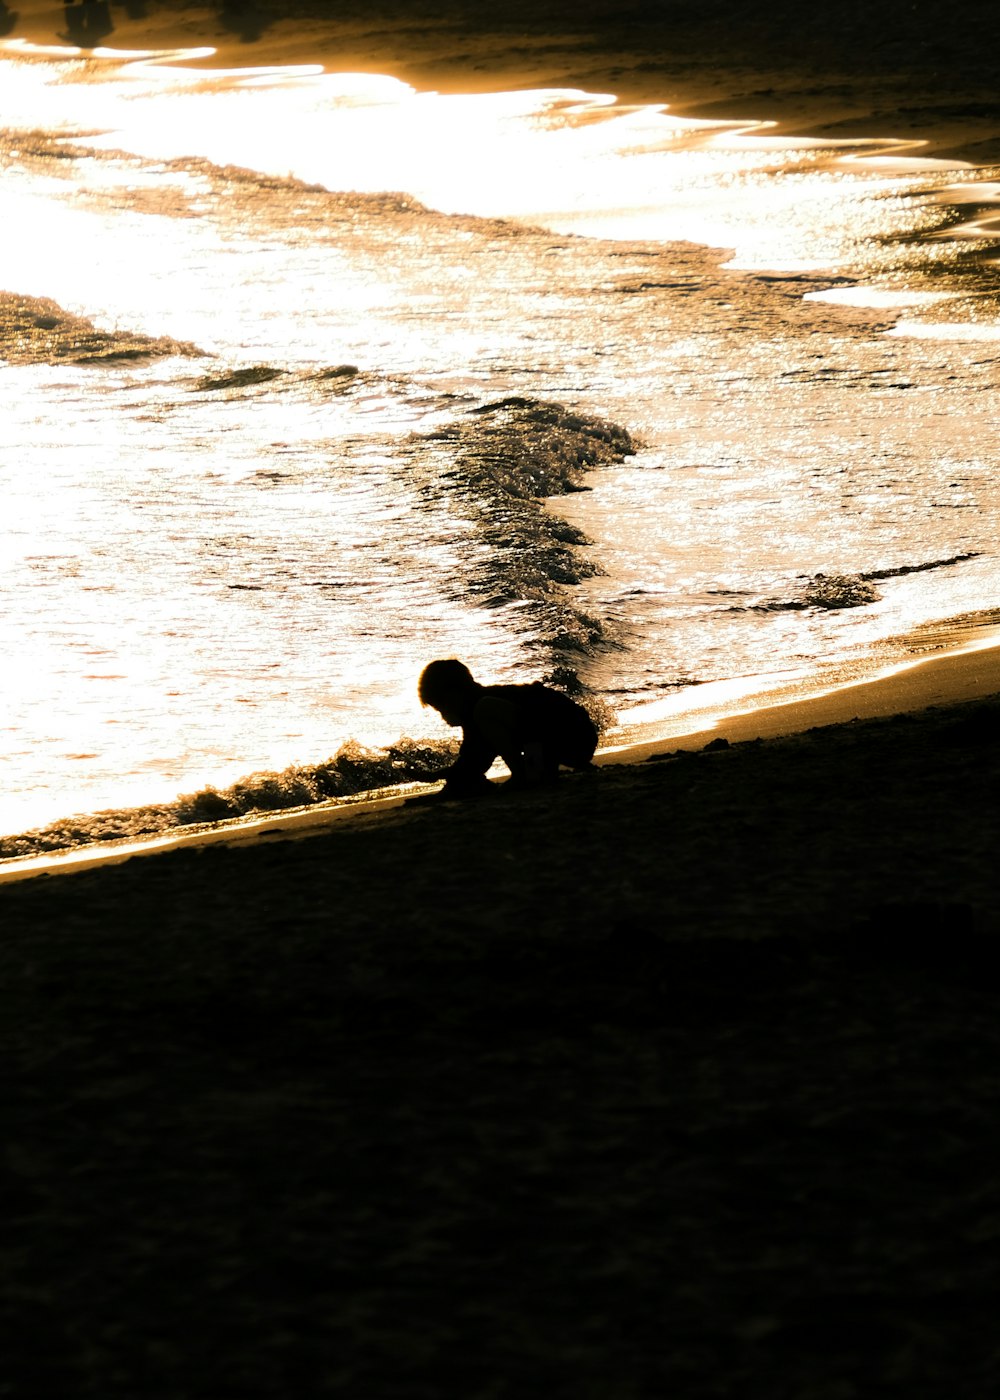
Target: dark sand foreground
x=681 y=1079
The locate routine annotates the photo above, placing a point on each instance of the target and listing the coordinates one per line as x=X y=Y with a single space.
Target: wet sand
x=680 y=1079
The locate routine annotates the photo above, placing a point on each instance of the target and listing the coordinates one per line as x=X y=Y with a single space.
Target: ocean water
x=310 y=378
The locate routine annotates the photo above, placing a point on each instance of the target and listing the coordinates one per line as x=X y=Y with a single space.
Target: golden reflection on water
x=138 y=241
x=572 y=161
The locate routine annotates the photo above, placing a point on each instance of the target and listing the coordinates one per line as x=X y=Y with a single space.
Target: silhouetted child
x=535 y=730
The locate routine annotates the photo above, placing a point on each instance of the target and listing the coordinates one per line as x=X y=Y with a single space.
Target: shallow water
x=231 y=546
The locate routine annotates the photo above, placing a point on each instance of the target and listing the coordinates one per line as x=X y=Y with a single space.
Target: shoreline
x=444 y=56
x=957 y=676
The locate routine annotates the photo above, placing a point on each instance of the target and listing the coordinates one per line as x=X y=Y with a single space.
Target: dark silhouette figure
x=88 y=23
x=8 y=19
x=535 y=730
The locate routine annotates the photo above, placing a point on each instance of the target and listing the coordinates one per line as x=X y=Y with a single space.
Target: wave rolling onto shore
x=315 y=417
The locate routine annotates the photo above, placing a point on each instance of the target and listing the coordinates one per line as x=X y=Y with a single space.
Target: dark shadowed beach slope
x=680 y=1079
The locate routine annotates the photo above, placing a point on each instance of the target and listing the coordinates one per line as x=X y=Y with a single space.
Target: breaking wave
x=353 y=769
x=494 y=469
x=36 y=330
x=502 y=462
x=832 y=591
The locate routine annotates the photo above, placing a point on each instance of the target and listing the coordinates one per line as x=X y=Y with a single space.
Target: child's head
x=445 y=686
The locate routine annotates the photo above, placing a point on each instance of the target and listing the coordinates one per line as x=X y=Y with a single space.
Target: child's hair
x=444 y=681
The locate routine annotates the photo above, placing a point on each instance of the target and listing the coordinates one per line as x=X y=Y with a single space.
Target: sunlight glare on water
x=573 y=161
x=224 y=575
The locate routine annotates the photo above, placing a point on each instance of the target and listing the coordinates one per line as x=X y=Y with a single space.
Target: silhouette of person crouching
x=534 y=729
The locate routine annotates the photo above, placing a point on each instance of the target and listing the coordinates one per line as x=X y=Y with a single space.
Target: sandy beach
x=677 y=1079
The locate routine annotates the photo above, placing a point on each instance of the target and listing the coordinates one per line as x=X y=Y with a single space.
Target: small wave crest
x=833 y=591
x=353 y=769
x=336 y=379
x=503 y=460
x=840 y=591
x=36 y=330
x=902 y=569
x=239 y=378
